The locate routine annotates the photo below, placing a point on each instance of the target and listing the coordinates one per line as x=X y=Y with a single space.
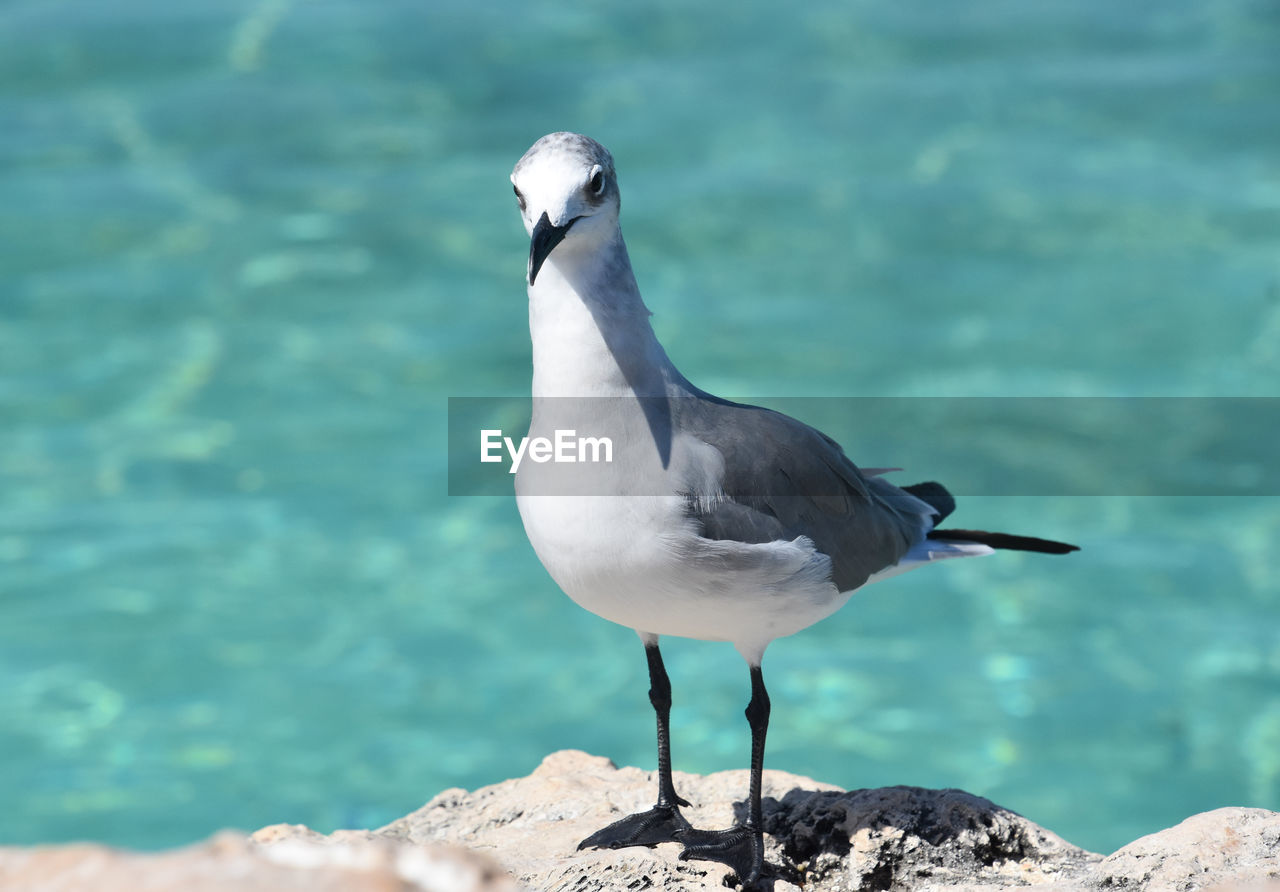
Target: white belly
x=638 y=561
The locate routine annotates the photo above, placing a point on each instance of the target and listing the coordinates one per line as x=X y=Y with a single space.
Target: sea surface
x=250 y=248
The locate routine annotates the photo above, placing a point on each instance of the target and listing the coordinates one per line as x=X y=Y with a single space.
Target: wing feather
x=783 y=479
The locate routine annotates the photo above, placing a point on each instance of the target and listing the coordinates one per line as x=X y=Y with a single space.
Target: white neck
x=590 y=327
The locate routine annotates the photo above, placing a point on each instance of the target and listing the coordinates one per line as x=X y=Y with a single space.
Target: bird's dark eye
x=597 y=182
x=519 y=198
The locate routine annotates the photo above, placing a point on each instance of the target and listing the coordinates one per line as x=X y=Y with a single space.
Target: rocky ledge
x=523 y=834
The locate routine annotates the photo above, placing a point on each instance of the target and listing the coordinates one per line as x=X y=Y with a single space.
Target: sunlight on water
x=251 y=248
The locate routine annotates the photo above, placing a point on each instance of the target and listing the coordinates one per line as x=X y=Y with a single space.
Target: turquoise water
x=251 y=248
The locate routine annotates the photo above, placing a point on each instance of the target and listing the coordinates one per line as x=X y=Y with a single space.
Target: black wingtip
x=935 y=495
x=1004 y=541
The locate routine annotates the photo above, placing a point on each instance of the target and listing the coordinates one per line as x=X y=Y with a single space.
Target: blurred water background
x=248 y=249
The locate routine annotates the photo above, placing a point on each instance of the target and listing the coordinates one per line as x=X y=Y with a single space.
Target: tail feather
x=1004 y=541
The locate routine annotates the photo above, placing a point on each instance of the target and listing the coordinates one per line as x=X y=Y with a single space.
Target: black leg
x=662 y=822
x=741 y=847
x=660 y=697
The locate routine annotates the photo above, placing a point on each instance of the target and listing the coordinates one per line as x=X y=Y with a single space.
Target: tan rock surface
x=819 y=838
x=1227 y=849
x=285 y=859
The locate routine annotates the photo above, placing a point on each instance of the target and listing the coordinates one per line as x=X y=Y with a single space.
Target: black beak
x=544 y=240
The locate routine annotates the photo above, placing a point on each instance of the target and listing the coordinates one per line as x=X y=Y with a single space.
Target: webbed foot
x=647 y=828
x=739 y=847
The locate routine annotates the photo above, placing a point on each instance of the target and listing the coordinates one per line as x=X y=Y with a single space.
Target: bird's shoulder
x=769 y=454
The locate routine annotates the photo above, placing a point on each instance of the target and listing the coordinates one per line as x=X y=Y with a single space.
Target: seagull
x=716 y=520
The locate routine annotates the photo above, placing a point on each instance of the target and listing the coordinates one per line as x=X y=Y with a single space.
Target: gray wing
x=783 y=479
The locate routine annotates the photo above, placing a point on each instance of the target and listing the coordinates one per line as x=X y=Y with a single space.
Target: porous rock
x=523 y=834
x=818 y=837
x=275 y=859
x=1224 y=850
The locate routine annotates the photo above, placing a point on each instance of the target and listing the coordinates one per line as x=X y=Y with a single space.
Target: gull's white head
x=568 y=195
